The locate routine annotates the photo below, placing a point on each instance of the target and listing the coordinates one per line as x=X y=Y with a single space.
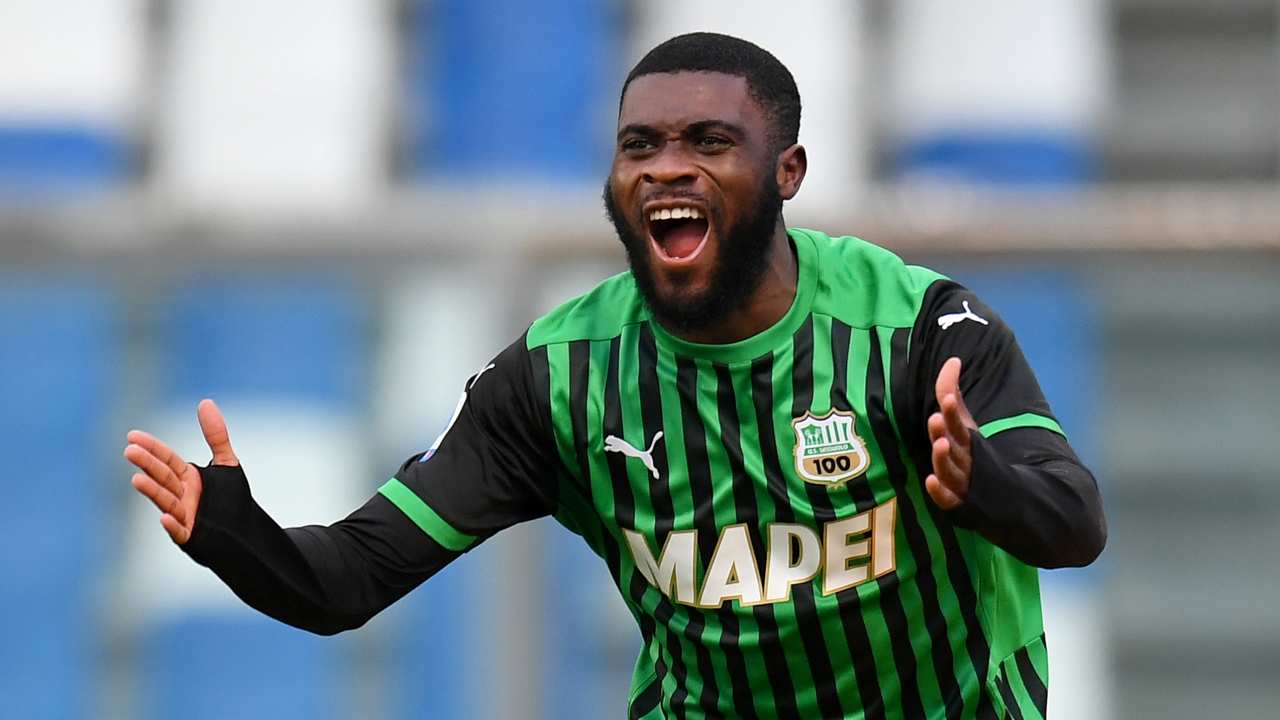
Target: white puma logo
x=947 y=321
x=613 y=443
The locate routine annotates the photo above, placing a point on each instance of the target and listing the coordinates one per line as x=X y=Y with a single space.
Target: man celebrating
x=821 y=479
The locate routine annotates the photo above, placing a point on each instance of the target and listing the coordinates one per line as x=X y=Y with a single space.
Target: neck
x=766 y=305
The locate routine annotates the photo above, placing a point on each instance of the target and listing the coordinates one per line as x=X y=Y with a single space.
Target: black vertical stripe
x=646 y=701
x=704 y=517
x=695 y=450
x=579 y=369
x=916 y=442
x=855 y=630
x=1031 y=681
x=579 y=372
x=986 y=708
x=858 y=488
x=541 y=371
x=815 y=646
x=890 y=591
x=744 y=505
x=625 y=516
x=762 y=398
x=660 y=495
x=1010 y=702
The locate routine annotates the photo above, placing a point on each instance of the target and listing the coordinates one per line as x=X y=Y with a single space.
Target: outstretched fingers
x=178 y=531
x=943 y=496
x=948 y=485
x=161 y=473
x=159 y=450
x=948 y=462
x=160 y=496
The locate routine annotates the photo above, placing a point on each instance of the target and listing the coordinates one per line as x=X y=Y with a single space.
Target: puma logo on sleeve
x=947 y=321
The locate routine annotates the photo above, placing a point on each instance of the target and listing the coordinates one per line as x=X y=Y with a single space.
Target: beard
x=742 y=255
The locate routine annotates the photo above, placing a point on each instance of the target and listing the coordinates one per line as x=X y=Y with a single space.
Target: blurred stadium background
x=327 y=214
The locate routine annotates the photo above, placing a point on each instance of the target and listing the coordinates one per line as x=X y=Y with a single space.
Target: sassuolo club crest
x=828 y=450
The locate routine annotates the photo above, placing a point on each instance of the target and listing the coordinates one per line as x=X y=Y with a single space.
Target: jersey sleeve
x=1028 y=492
x=995 y=380
x=493 y=465
x=488 y=470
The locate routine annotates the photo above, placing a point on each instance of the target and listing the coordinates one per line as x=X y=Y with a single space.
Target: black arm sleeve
x=321 y=579
x=1029 y=493
x=488 y=470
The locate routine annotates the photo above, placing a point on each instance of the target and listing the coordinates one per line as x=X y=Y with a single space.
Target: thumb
x=215 y=433
x=948 y=379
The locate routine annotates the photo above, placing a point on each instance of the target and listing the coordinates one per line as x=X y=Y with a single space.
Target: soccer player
x=822 y=479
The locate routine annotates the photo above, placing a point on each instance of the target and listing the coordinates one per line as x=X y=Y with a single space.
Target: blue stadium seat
x=57 y=360
x=273 y=337
x=512 y=88
x=44 y=160
x=1029 y=158
x=593 y=645
x=209 y=667
x=437 y=664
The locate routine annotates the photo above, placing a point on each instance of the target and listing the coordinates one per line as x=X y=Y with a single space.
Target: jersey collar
x=771 y=337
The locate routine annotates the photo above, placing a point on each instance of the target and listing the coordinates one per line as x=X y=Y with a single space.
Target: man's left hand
x=949 y=430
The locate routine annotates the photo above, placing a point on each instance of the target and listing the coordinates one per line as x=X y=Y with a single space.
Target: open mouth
x=679 y=234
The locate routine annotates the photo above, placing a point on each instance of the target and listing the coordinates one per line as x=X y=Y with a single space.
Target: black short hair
x=768 y=81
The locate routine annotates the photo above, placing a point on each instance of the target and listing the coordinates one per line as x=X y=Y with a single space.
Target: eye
x=636 y=144
x=713 y=142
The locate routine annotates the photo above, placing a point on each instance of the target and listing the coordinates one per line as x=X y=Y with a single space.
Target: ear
x=792 y=164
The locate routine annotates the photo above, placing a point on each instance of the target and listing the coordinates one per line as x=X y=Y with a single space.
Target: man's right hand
x=172 y=483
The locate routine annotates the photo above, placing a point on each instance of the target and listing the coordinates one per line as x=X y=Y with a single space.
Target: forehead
x=674 y=100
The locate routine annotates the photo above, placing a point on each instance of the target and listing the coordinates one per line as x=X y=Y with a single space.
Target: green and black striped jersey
x=761 y=505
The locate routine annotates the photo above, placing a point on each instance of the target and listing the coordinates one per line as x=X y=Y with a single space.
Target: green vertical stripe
x=791 y=639
x=828 y=606
x=633 y=426
x=722 y=480
x=753 y=465
x=629 y=379
x=561 y=418
x=571 y=501
x=909 y=592
x=725 y=509
x=424 y=517
x=1038 y=651
x=877 y=479
x=722 y=510
x=966 y=675
x=1025 y=703
x=677 y=481
x=601 y=482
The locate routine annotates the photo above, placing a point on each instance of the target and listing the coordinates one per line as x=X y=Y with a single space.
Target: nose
x=670 y=166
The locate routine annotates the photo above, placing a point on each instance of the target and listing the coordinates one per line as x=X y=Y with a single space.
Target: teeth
x=676 y=214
